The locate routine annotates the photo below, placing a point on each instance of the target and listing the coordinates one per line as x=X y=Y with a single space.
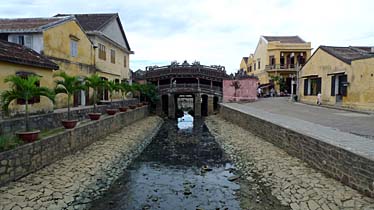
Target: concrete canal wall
x=343 y=156
x=28 y=158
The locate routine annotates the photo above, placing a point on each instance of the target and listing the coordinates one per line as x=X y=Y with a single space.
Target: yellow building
x=243 y=64
x=343 y=75
x=112 y=54
x=278 y=57
x=19 y=60
x=60 y=39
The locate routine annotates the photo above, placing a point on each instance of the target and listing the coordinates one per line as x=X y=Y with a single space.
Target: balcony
x=281 y=68
x=189 y=88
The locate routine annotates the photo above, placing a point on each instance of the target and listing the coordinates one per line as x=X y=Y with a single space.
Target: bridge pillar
x=210 y=105
x=197 y=105
x=171 y=106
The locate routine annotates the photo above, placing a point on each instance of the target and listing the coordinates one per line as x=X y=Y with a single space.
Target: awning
x=335 y=73
x=264 y=85
x=309 y=75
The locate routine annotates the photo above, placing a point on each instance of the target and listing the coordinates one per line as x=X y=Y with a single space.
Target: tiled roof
x=285 y=39
x=245 y=59
x=26 y=24
x=91 y=22
x=15 y=53
x=348 y=54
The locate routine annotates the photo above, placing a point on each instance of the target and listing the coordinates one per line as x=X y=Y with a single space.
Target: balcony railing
x=288 y=67
x=194 y=87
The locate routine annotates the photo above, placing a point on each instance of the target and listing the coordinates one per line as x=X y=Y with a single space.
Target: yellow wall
x=57 y=47
x=45 y=104
x=115 y=70
x=243 y=65
x=360 y=91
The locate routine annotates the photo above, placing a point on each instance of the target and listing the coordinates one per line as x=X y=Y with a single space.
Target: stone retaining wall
x=53 y=120
x=347 y=167
x=28 y=158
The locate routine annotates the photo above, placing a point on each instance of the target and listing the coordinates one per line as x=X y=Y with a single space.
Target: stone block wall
x=28 y=158
x=347 y=167
x=53 y=120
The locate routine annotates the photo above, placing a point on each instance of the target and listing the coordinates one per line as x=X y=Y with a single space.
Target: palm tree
x=69 y=85
x=24 y=89
x=125 y=88
x=94 y=82
x=112 y=86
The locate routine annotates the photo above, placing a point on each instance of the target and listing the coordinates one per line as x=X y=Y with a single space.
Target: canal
x=184 y=168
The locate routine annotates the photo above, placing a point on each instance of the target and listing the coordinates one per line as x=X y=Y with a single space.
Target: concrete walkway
x=350 y=122
x=74 y=181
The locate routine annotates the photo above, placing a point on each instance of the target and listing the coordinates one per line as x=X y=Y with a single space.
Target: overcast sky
x=215 y=32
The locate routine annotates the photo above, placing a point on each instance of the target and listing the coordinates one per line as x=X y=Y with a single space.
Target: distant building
x=243 y=64
x=277 y=58
x=343 y=75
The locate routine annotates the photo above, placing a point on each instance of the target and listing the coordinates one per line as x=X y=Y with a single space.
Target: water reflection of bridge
x=202 y=83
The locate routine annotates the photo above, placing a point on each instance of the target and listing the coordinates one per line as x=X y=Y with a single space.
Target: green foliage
x=68 y=85
x=280 y=80
x=112 y=86
x=150 y=92
x=125 y=88
x=8 y=142
x=94 y=81
x=25 y=89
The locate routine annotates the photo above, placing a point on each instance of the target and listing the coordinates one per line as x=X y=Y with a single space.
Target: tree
x=68 y=85
x=236 y=85
x=94 y=82
x=112 y=86
x=125 y=88
x=24 y=89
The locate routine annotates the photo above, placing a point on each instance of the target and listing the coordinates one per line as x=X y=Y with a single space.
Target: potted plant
x=94 y=81
x=112 y=86
x=68 y=85
x=136 y=90
x=124 y=87
x=25 y=89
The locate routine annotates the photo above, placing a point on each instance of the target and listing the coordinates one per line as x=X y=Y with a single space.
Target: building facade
x=343 y=75
x=243 y=64
x=19 y=60
x=276 y=60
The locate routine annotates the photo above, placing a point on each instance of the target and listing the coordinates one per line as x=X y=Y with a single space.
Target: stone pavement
x=346 y=121
x=74 y=181
x=291 y=180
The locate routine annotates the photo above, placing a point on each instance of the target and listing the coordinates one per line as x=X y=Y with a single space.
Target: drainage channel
x=184 y=168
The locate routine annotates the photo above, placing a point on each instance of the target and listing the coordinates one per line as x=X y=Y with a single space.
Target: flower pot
x=94 y=116
x=139 y=105
x=28 y=136
x=69 y=124
x=111 y=111
x=123 y=109
x=132 y=106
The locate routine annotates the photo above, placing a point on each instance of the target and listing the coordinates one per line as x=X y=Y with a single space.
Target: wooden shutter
x=305 y=87
x=333 y=85
x=344 y=87
x=28 y=41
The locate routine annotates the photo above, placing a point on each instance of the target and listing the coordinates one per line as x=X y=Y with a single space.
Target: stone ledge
x=28 y=158
x=333 y=152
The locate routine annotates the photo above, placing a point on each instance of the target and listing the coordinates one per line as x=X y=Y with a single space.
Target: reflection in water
x=185 y=123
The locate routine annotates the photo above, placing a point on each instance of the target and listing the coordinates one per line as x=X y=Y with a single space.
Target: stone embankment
x=74 y=181
x=291 y=180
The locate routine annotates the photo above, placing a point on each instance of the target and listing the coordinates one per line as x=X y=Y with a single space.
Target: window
x=25 y=40
x=124 y=61
x=312 y=86
x=259 y=64
x=112 y=56
x=250 y=68
x=73 y=48
x=33 y=100
x=254 y=67
x=102 y=52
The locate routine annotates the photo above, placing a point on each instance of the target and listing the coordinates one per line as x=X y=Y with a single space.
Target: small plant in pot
x=94 y=81
x=124 y=88
x=137 y=90
x=68 y=85
x=112 y=86
x=25 y=89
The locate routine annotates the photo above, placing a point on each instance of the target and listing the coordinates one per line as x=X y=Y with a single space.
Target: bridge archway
x=215 y=103
x=204 y=105
x=165 y=104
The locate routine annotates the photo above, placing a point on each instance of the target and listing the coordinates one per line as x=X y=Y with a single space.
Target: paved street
x=351 y=122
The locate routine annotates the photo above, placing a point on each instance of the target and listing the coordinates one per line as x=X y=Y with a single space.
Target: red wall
x=246 y=92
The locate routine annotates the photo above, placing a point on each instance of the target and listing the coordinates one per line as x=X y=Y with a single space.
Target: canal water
x=182 y=168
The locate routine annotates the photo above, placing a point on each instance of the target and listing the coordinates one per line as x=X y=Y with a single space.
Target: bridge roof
x=216 y=73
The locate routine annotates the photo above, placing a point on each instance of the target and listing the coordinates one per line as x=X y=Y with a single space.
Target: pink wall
x=246 y=92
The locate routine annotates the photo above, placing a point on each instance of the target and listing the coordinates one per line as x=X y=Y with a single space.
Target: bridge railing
x=192 y=86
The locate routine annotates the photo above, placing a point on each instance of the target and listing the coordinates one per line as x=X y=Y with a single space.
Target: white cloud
x=217 y=32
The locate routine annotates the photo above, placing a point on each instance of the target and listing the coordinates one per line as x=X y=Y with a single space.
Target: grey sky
x=215 y=32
